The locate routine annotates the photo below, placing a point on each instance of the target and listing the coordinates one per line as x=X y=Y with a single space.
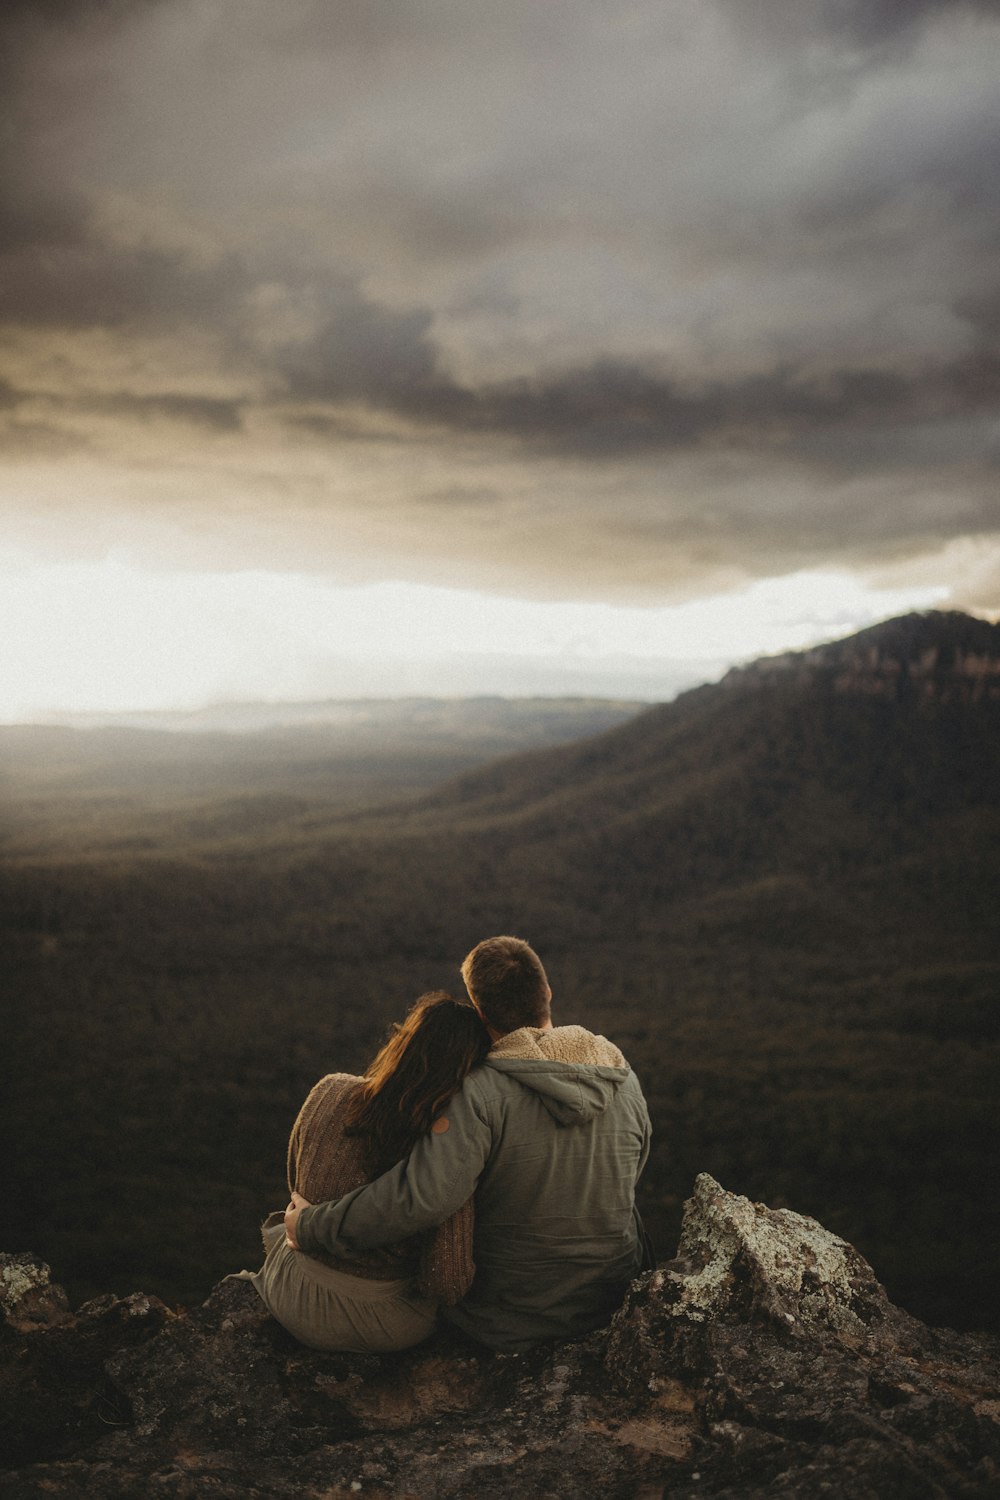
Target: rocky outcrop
x=766 y=1360
x=938 y=656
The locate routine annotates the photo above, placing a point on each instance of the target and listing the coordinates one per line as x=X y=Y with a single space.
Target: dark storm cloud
x=614 y=408
x=20 y=441
x=70 y=10
x=870 y=23
x=369 y=353
x=875 y=20
x=336 y=428
x=27 y=26
x=671 y=267
x=389 y=361
x=100 y=286
x=982 y=312
x=461 y=497
x=32 y=223
x=214 y=413
x=57 y=269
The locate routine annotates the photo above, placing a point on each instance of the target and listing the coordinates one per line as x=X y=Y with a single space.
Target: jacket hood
x=575 y=1073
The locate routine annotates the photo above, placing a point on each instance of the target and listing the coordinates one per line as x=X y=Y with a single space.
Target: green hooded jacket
x=550 y=1136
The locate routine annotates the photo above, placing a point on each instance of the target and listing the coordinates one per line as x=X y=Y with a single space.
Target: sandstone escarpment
x=764 y=1360
x=935 y=657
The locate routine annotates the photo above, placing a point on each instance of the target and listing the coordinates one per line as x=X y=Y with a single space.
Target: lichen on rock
x=742 y=1261
x=28 y=1297
x=789 y=1264
x=765 y=1359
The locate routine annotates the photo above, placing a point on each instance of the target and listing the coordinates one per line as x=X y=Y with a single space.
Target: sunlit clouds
x=578 y=316
x=109 y=636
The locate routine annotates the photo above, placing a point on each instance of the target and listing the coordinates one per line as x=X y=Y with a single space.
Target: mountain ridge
x=929 y=653
x=692 y=726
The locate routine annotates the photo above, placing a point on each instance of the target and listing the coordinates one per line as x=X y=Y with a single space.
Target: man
x=550 y=1135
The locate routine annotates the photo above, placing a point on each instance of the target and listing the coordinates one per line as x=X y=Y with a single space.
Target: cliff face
x=949 y=657
x=764 y=1360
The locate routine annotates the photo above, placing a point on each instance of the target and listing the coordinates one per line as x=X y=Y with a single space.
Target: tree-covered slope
x=779 y=894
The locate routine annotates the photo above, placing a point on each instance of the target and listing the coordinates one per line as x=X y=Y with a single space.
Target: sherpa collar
x=565 y=1044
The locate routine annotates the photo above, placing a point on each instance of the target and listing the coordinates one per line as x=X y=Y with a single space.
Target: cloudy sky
x=374 y=346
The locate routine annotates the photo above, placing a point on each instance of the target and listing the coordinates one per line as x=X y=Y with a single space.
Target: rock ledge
x=766 y=1360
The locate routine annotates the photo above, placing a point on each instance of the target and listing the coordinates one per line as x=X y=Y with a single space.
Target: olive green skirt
x=327 y=1309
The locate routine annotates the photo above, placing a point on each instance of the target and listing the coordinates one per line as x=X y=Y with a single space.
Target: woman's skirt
x=327 y=1309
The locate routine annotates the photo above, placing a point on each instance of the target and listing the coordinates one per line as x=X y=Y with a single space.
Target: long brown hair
x=412 y=1077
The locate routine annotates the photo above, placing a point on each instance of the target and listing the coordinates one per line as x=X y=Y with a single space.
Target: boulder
x=55 y=1394
x=766 y=1360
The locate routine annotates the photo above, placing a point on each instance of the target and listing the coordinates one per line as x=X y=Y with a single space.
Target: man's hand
x=292 y=1212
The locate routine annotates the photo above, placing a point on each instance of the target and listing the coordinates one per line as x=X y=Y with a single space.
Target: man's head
x=507 y=984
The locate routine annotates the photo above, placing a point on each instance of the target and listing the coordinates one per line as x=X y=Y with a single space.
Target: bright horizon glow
x=112 y=637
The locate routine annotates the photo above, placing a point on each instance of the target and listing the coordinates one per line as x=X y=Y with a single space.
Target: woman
x=348 y=1131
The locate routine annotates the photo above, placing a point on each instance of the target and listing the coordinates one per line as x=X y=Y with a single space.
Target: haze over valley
x=777 y=893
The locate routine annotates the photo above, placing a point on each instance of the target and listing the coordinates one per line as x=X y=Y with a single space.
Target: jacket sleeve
x=439 y=1175
x=645 y=1127
x=647 y=1139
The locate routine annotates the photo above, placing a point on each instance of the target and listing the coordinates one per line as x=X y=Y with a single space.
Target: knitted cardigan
x=324 y=1164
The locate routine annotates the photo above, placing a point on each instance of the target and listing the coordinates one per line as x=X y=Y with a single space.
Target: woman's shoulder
x=326 y=1103
x=334 y=1085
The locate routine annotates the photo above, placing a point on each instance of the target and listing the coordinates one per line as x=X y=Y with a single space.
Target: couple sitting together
x=483 y=1170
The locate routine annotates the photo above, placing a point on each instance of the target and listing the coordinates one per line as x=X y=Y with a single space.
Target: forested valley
x=778 y=894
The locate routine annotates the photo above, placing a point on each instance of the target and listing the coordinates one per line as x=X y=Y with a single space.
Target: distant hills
x=94 y=782
x=540 y=720
x=778 y=893
x=849 y=749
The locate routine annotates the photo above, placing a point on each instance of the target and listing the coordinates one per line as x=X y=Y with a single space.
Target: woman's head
x=415 y=1073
